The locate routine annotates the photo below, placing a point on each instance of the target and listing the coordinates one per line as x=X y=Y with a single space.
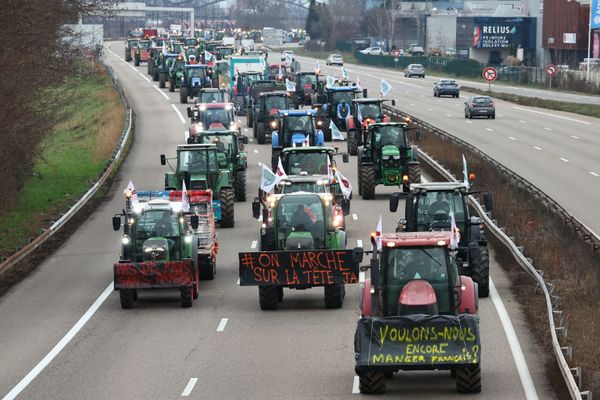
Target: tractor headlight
x=385 y=158
x=274 y=124
x=188 y=239
x=396 y=157
x=125 y=240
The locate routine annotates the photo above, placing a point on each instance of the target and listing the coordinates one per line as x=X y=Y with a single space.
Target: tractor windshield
x=434 y=208
x=405 y=264
x=132 y=42
x=275 y=102
x=144 y=45
x=390 y=135
x=197 y=161
x=307 y=80
x=197 y=72
x=224 y=142
x=301 y=213
x=310 y=187
x=178 y=66
x=311 y=163
x=157 y=223
x=216 y=117
x=338 y=97
x=298 y=123
x=372 y=110
x=209 y=97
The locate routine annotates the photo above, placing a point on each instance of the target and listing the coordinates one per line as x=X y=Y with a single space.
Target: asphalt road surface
x=556 y=151
x=224 y=347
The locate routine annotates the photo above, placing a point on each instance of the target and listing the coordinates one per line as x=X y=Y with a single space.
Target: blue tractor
x=195 y=77
x=294 y=128
x=338 y=106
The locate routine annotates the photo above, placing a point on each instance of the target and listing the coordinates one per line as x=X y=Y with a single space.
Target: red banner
x=152 y=275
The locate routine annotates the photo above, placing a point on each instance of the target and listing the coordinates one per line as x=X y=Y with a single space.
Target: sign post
x=396 y=54
x=490 y=74
x=551 y=70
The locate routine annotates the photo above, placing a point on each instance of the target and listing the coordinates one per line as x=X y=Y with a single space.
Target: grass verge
x=72 y=156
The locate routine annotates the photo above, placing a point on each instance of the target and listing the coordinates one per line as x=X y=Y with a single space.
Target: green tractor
x=386 y=159
x=231 y=156
x=265 y=113
x=157 y=250
x=175 y=68
x=199 y=167
x=431 y=207
x=296 y=222
x=162 y=68
x=130 y=44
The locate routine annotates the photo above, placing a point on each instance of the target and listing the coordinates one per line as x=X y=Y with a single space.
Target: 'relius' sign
x=499 y=33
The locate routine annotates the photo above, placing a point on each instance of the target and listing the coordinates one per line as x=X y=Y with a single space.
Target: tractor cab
x=228 y=145
x=212 y=95
x=243 y=81
x=278 y=72
x=303 y=183
x=294 y=129
x=307 y=85
x=195 y=77
x=266 y=113
x=197 y=166
x=310 y=160
x=211 y=117
x=337 y=106
x=364 y=112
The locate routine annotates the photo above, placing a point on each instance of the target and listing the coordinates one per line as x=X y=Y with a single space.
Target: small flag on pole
x=185 y=203
x=207 y=56
x=290 y=86
x=268 y=179
x=130 y=190
x=345 y=185
x=384 y=88
x=335 y=132
x=317 y=67
x=345 y=74
x=280 y=171
x=455 y=238
x=330 y=81
x=465 y=172
x=330 y=174
x=378 y=230
x=358 y=81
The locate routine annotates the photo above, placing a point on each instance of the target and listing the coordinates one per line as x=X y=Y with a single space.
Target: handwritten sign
x=154 y=275
x=417 y=340
x=302 y=268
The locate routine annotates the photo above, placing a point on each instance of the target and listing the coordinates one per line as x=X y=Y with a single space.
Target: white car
x=335 y=59
x=287 y=54
x=374 y=51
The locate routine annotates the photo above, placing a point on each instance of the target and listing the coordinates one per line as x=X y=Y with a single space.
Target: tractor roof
x=273 y=198
x=196 y=66
x=344 y=89
x=224 y=132
x=210 y=90
x=306 y=73
x=285 y=113
x=378 y=124
x=368 y=100
x=203 y=146
x=318 y=179
x=309 y=149
x=213 y=106
x=439 y=187
x=416 y=239
x=276 y=93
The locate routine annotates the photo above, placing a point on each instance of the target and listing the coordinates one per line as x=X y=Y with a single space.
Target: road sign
x=490 y=74
x=551 y=69
x=396 y=59
x=396 y=53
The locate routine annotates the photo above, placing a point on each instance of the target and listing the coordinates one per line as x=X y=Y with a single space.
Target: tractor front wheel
x=268 y=297
x=260 y=133
x=352 y=142
x=468 y=379
x=137 y=61
x=240 y=185
x=155 y=74
x=367 y=179
x=187 y=297
x=480 y=267
x=414 y=174
x=280 y=293
x=127 y=297
x=249 y=120
x=334 y=295
x=371 y=382
x=227 y=210
x=183 y=94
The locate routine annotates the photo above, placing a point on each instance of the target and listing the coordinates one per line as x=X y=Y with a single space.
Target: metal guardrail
x=115 y=158
x=525 y=263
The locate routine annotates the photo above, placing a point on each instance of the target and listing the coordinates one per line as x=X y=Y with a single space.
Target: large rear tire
x=367 y=178
x=260 y=133
x=240 y=185
x=161 y=80
x=268 y=297
x=155 y=74
x=414 y=174
x=249 y=120
x=183 y=94
x=468 y=379
x=187 y=297
x=480 y=267
x=371 y=382
x=227 y=210
x=208 y=269
x=334 y=296
x=352 y=142
x=171 y=85
x=137 y=61
x=127 y=297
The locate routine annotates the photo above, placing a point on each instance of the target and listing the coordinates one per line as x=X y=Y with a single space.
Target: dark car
x=482 y=106
x=414 y=70
x=446 y=87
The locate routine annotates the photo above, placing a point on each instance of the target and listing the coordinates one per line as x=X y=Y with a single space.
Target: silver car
x=335 y=59
x=480 y=106
x=414 y=70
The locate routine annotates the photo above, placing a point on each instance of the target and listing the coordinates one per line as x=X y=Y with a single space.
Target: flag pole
x=587 y=75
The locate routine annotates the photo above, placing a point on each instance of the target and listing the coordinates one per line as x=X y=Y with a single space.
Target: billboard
x=496 y=32
x=595 y=17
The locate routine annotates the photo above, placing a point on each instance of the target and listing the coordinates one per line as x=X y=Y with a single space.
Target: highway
x=556 y=151
x=224 y=347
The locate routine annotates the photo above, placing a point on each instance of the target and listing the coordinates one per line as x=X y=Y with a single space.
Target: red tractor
x=417 y=313
x=364 y=112
x=211 y=117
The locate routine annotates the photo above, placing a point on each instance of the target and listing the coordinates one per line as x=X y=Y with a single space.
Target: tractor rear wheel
x=468 y=379
x=334 y=295
x=208 y=269
x=149 y=67
x=183 y=94
x=227 y=217
x=480 y=267
x=137 y=61
x=155 y=74
x=249 y=120
x=371 y=382
x=260 y=132
x=240 y=185
x=171 y=85
x=197 y=266
x=127 y=55
x=414 y=173
x=161 y=80
x=367 y=178
x=187 y=297
x=126 y=296
x=280 y=293
x=352 y=142
x=358 y=174
x=268 y=297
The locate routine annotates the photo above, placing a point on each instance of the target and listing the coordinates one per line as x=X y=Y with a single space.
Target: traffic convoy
x=419 y=305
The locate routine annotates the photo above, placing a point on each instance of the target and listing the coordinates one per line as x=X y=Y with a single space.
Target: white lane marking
x=468 y=122
x=161 y=92
x=132 y=67
x=523 y=122
x=500 y=115
x=513 y=343
x=255 y=151
x=238 y=282
x=564 y=160
x=593 y=173
x=355 y=385
x=354 y=217
x=412 y=104
x=23 y=383
x=537 y=148
x=361 y=277
x=245 y=129
x=253 y=245
x=512 y=138
x=548 y=129
x=145 y=77
x=189 y=387
x=489 y=129
x=552 y=115
x=448 y=115
x=359 y=243
x=430 y=109
x=178 y=114
x=259 y=164
x=575 y=137
x=186 y=134
x=222 y=324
